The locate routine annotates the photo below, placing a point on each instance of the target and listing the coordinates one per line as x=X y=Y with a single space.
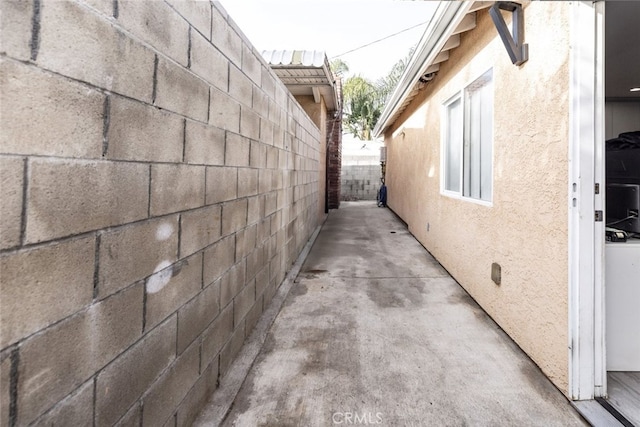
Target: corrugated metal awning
x=304 y=72
x=307 y=58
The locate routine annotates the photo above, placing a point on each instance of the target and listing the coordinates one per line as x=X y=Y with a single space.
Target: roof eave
x=441 y=26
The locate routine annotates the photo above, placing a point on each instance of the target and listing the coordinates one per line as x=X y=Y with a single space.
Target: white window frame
x=461 y=96
x=445 y=146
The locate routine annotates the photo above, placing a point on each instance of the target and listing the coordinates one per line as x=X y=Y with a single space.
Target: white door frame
x=587 y=352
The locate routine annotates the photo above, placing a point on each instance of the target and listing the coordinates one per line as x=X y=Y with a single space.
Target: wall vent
x=496 y=273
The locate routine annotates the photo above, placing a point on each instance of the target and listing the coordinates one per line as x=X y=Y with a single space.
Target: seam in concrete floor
x=220 y=403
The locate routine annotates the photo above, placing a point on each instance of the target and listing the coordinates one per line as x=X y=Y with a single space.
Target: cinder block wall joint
x=157 y=182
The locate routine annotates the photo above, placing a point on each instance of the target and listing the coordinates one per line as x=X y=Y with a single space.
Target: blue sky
x=335 y=26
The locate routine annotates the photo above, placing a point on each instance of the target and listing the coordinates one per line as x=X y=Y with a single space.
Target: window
x=453 y=145
x=468 y=140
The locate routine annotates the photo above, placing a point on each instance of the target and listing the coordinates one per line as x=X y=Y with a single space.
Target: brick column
x=334 y=146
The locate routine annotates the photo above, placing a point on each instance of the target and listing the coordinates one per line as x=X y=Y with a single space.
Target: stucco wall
x=157 y=181
x=525 y=229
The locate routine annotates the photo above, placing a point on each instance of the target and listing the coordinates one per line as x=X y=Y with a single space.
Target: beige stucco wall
x=525 y=229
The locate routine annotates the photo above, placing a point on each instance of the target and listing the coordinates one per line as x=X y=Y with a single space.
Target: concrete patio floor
x=375 y=331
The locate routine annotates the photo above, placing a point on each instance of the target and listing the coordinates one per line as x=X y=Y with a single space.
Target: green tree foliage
x=362 y=105
x=388 y=83
x=339 y=67
x=364 y=100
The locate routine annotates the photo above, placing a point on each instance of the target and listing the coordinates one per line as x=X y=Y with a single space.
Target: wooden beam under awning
x=316 y=94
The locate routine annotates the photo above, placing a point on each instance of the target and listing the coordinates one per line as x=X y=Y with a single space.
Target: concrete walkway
x=374 y=331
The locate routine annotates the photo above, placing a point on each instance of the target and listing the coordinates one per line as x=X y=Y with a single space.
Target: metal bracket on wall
x=513 y=41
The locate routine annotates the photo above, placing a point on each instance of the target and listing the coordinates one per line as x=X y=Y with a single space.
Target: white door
x=587 y=364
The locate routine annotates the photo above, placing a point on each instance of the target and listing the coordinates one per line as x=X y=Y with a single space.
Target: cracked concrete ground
x=375 y=331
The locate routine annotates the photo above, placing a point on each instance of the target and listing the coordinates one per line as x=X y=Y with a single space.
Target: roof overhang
x=442 y=34
x=305 y=73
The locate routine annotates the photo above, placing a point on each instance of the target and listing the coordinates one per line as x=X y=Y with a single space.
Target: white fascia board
x=332 y=83
x=441 y=26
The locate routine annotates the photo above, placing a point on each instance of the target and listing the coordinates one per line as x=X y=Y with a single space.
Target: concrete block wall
x=157 y=181
x=360 y=177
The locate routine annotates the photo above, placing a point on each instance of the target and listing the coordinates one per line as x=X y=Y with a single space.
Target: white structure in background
x=361 y=170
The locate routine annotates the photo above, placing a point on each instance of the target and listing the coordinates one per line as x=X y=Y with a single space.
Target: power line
x=379 y=40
